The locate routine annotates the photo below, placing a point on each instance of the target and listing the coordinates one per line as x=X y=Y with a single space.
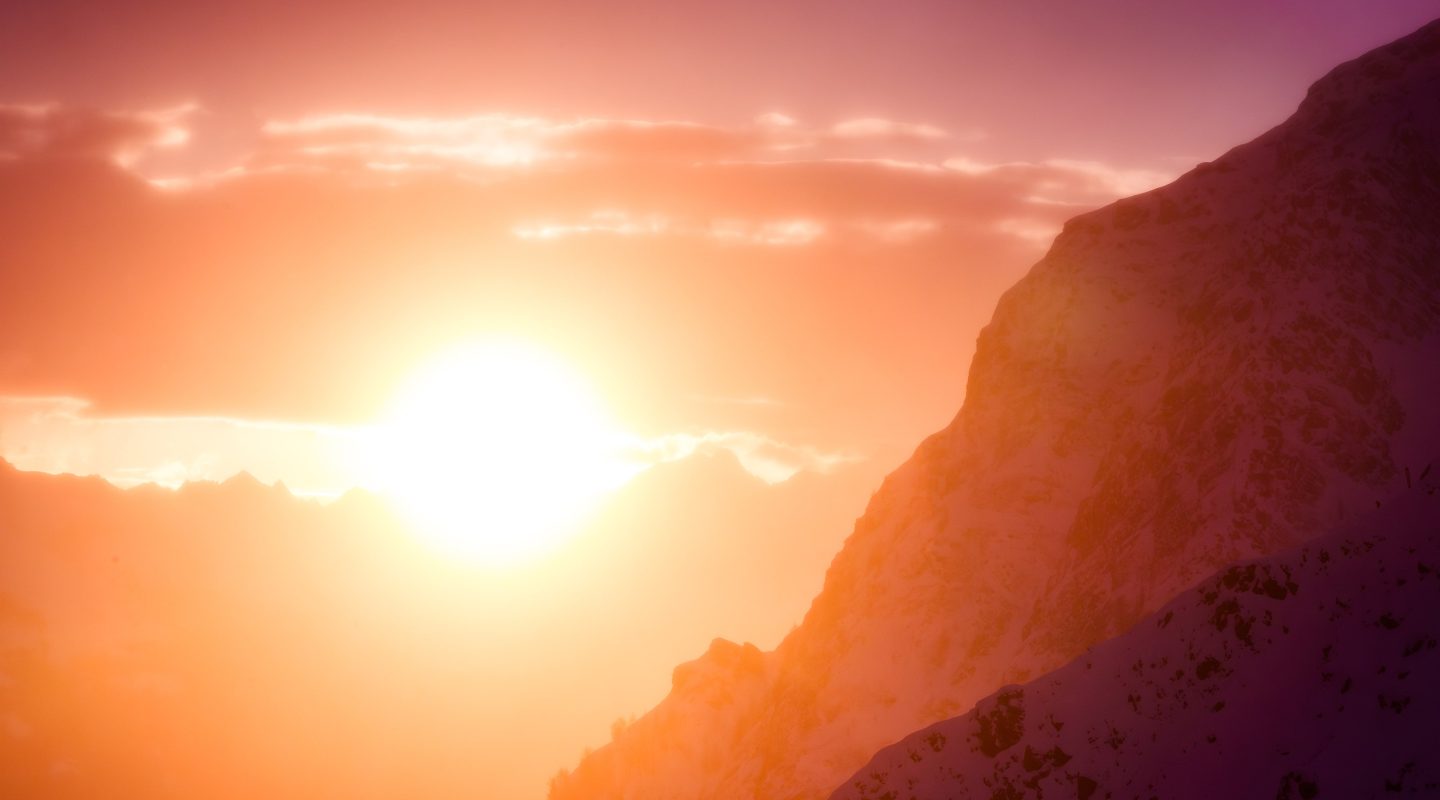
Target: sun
x=496 y=451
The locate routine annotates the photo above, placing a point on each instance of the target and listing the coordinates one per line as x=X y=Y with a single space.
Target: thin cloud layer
x=878 y=128
x=887 y=200
x=496 y=140
x=771 y=232
x=306 y=280
x=766 y=458
x=55 y=130
x=63 y=435
x=1062 y=181
x=775 y=181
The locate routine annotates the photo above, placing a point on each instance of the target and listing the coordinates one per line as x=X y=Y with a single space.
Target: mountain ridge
x=1205 y=373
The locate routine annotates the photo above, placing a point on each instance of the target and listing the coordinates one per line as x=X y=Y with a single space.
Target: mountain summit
x=1214 y=371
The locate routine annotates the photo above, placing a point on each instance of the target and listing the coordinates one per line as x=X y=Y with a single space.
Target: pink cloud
x=766 y=458
x=504 y=139
x=402 y=256
x=640 y=177
x=55 y=130
x=885 y=129
x=1067 y=180
x=634 y=139
x=496 y=140
x=681 y=178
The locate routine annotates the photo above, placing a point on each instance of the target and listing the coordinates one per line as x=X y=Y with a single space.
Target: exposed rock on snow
x=1298 y=675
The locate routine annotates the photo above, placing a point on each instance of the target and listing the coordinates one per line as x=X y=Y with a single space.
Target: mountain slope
x=1202 y=374
x=1301 y=674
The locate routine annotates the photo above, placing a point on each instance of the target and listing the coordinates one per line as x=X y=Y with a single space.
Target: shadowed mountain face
x=1210 y=372
x=1300 y=675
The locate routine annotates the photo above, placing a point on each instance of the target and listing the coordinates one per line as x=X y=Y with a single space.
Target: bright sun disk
x=497 y=451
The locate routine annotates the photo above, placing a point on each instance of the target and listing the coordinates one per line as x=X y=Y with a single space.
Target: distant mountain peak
x=243 y=480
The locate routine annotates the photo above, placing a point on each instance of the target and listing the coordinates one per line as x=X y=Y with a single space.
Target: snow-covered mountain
x=1210 y=372
x=1304 y=674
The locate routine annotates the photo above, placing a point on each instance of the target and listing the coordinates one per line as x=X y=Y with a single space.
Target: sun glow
x=497 y=452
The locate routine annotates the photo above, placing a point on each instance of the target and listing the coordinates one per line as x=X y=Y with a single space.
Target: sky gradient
x=766 y=235
x=784 y=221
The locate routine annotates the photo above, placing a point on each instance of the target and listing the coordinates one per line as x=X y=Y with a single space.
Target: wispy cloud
x=785 y=232
x=507 y=140
x=1051 y=191
x=609 y=222
x=874 y=128
x=396 y=220
x=768 y=459
x=61 y=435
x=899 y=231
x=789 y=201
x=51 y=129
x=774 y=181
x=1071 y=179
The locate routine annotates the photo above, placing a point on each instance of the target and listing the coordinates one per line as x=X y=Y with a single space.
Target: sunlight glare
x=496 y=452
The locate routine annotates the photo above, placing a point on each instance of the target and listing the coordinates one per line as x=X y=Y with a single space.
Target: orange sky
x=750 y=220
x=231 y=232
x=704 y=279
